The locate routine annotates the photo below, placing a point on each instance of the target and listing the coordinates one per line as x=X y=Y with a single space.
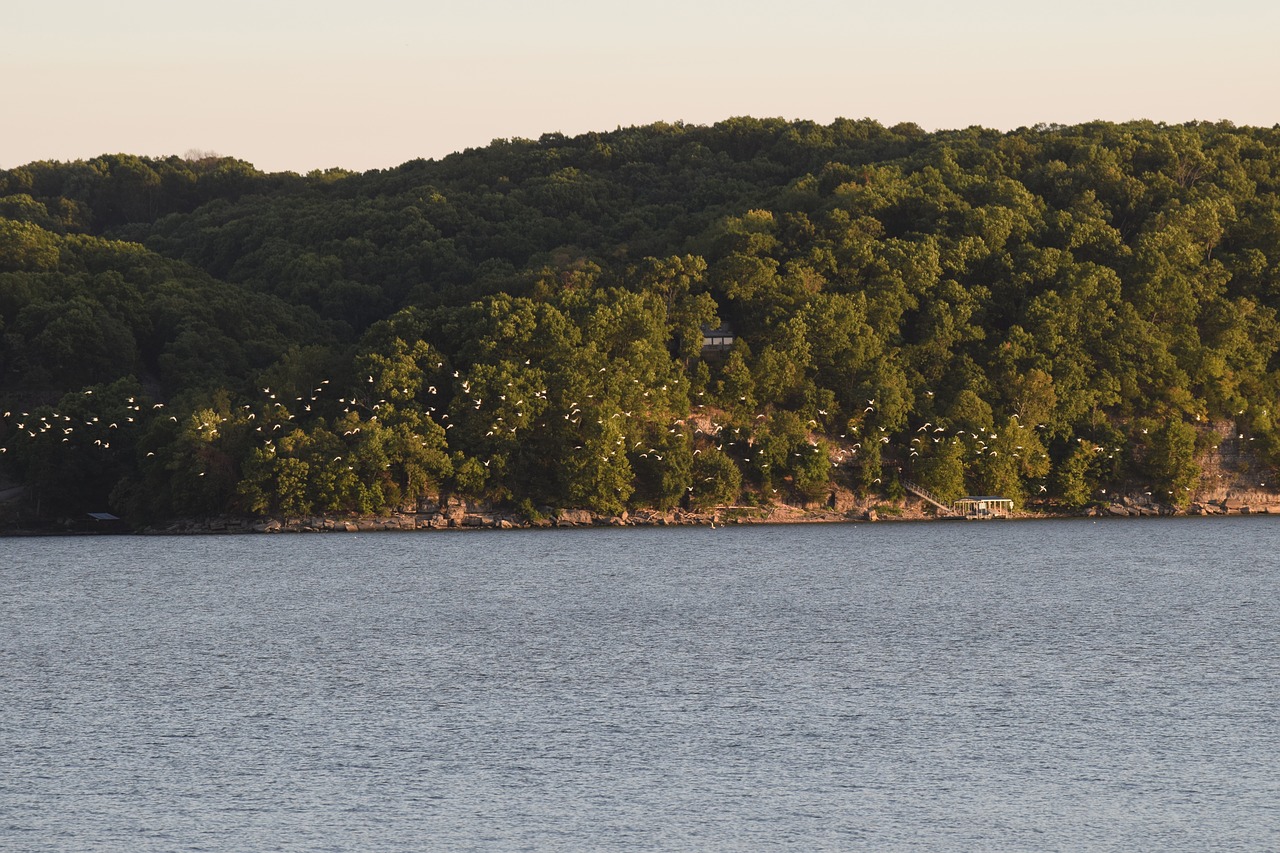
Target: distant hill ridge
x=1045 y=314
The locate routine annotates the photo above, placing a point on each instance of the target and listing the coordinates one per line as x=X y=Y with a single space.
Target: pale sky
x=299 y=85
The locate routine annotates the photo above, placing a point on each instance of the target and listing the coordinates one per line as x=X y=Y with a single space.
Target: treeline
x=1043 y=314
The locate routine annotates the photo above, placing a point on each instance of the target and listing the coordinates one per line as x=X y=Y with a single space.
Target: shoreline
x=455 y=514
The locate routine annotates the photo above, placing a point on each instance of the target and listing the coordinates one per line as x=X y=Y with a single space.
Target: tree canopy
x=1043 y=314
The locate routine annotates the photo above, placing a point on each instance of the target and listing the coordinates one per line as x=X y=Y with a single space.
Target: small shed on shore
x=985 y=506
x=98 y=522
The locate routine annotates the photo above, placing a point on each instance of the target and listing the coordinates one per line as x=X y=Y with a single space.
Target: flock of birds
x=68 y=428
x=509 y=416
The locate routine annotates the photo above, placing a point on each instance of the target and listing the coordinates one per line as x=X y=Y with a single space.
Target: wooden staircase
x=925 y=495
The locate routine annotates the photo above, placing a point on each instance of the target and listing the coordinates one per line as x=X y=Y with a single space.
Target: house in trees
x=717 y=341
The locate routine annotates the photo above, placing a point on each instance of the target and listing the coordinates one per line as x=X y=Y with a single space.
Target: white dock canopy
x=983 y=507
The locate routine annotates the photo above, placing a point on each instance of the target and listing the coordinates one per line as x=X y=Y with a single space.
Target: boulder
x=570 y=517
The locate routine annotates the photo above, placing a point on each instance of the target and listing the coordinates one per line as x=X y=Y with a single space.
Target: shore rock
x=574 y=518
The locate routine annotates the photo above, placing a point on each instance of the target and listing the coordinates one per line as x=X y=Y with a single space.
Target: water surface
x=1006 y=686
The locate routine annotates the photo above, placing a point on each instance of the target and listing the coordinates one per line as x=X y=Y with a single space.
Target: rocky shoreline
x=457 y=514
x=1131 y=508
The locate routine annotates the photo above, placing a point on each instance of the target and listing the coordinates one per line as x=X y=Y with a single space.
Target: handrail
x=921 y=492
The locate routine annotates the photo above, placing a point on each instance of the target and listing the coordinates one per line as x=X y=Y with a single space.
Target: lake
x=1048 y=685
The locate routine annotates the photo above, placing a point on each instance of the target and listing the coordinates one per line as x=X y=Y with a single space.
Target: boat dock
x=971 y=507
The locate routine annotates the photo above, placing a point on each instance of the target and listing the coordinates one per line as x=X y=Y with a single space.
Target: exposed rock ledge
x=1129 y=507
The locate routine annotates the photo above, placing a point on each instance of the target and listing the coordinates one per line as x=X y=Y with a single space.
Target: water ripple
x=921 y=687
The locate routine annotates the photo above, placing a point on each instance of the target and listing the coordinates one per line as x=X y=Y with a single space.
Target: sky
x=292 y=85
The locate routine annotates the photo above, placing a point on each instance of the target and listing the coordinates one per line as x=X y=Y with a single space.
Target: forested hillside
x=1042 y=314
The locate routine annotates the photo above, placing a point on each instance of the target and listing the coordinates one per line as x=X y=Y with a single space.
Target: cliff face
x=1233 y=472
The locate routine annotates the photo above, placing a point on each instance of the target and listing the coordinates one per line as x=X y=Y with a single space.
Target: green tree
x=1171 y=462
x=942 y=470
x=716 y=480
